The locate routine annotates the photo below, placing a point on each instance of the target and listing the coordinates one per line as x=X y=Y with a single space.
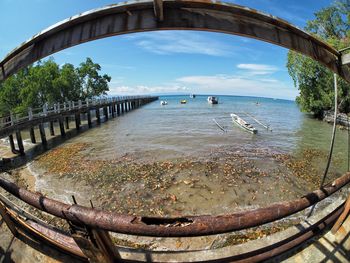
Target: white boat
x=163 y=102
x=213 y=100
x=243 y=124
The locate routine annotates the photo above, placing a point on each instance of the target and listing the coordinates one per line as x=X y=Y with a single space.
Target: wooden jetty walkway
x=13 y=124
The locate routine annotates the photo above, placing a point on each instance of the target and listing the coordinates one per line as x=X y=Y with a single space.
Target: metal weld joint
x=158 y=9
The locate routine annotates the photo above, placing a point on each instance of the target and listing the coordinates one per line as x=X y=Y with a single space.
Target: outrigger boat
x=243 y=124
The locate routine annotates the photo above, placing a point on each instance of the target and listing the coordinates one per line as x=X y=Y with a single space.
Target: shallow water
x=177 y=130
x=154 y=160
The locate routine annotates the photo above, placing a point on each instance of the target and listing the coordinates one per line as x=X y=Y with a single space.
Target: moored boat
x=243 y=124
x=183 y=101
x=192 y=96
x=163 y=102
x=213 y=100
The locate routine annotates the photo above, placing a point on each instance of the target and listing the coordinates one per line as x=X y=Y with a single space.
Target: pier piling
x=98 y=118
x=42 y=134
x=52 y=130
x=12 y=144
x=60 y=121
x=20 y=142
x=67 y=122
x=105 y=113
x=89 y=118
x=32 y=135
x=77 y=121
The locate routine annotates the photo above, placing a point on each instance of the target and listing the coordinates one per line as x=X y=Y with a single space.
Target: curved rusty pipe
x=167 y=227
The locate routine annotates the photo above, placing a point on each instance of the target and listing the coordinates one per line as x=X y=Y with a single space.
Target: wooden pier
x=46 y=116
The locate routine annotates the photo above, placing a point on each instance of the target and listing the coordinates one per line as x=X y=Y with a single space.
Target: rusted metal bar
x=342 y=217
x=213 y=16
x=7 y=219
x=174 y=227
x=66 y=244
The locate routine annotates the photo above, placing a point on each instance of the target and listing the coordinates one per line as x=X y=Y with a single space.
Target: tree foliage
x=315 y=81
x=48 y=82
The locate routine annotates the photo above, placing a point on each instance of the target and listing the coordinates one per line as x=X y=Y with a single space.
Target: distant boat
x=243 y=124
x=163 y=102
x=192 y=96
x=213 y=100
x=183 y=101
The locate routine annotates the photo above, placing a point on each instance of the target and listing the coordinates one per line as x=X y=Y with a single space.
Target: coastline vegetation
x=315 y=81
x=48 y=82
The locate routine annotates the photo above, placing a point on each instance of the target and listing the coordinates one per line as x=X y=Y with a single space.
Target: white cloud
x=239 y=85
x=187 y=42
x=258 y=69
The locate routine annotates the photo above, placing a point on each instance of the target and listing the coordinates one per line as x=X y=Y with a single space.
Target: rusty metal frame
x=176 y=226
x=253 y=251
x=142 y=16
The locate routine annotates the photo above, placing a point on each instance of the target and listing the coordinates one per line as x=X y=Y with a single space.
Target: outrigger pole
x=259 y=122
x=217 y=124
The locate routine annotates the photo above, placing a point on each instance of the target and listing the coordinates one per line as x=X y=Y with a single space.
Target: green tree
x=10 y=99
x=38 y=84
x=315 y=81
x=68 y=84
x=46 y=82
x=93 y=84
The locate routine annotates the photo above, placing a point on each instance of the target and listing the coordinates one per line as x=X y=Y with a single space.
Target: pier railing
x=54 y=108
x=63 y=113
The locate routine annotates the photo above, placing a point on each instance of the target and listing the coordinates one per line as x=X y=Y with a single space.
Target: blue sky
x=169 y=61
